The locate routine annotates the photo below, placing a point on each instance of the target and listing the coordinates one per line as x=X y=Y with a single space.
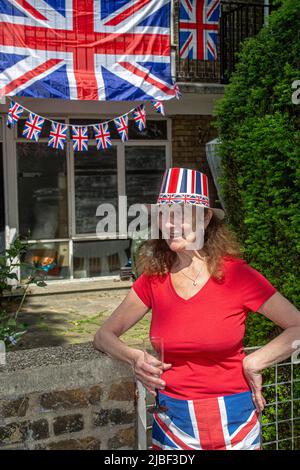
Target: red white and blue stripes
x=229 y=422
x=184 y=185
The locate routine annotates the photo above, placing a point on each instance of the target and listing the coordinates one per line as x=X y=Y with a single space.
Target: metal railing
x=280 y=419
x=238 y=21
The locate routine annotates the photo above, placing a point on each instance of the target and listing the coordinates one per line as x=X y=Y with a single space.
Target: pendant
x=194 y=283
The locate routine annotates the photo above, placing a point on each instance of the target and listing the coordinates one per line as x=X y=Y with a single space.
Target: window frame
x=10 y=170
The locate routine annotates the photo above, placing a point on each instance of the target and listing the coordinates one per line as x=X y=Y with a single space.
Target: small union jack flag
x=139 y=116
x=14 y=113
x=159 y=107
x=178 y=93
x=102 y=136
x=33 y=127
x=122 y=126
x=198 y=29
x=57 y=136
x=80 y=138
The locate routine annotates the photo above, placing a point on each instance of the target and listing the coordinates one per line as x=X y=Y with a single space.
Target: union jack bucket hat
x=186 y=186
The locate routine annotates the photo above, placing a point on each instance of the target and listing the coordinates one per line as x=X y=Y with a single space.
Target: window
x=59 y=192
x=144 y=171
x=100 y=258
x=42 y=191
x=96 y=182
x=51 y=258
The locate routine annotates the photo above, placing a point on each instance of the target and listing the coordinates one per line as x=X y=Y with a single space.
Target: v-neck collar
x=193 y=296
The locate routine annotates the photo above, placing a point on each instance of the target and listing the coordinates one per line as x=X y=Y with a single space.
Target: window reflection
x=51 y=260
x=42 y=190
x=96 y=182
x=100 y=258
x=144 y=170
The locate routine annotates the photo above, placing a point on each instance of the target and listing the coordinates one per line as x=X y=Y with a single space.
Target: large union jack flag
x=198 y=25
x=86 y=49
x=230 y=422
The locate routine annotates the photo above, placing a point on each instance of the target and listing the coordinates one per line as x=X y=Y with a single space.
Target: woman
x=200 y=299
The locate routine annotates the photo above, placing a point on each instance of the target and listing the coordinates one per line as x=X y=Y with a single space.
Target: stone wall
x=69 y=397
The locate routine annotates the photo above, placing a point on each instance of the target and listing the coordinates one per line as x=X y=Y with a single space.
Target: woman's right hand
x=149 y=374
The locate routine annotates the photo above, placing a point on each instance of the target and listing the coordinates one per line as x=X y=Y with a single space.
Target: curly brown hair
x=156 y=258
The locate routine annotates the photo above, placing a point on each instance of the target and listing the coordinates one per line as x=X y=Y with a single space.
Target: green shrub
x=260 y=153
x=10 y=305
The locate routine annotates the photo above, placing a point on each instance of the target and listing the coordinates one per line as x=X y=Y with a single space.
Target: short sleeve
x=255 y=287
x=142 y=288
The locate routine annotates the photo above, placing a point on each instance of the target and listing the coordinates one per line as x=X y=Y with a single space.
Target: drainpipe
x=173 y=46
x=266 y=11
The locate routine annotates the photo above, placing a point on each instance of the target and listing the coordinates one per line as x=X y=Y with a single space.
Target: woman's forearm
x=113 y=346
x=277 y=350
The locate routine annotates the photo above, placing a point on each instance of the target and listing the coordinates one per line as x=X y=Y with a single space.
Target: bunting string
x=79 y=133
x=19 y=106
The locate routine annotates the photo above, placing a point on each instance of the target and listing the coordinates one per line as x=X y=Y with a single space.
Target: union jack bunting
x=178 y=93
x=122 y=126
x=228 y=422
x=158 y=105
x=33 y=127
x=14 y=113
x=102 y=136
x=57 y=136
x=198 y=29
x=139 y=116
x=80 y=138
x=86 y=49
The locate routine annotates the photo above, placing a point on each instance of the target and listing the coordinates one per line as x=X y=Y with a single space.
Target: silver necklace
x=194 y=280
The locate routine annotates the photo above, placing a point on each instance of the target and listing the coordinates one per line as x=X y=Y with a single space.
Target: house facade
x=50 y=196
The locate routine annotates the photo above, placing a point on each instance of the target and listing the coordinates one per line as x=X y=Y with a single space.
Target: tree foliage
x=260 y=153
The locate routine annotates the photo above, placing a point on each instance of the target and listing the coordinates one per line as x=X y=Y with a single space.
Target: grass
x=138 y=332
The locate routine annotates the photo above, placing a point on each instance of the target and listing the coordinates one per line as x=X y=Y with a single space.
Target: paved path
x=58 y=319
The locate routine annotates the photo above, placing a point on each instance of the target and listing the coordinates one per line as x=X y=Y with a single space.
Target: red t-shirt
x=203 y=336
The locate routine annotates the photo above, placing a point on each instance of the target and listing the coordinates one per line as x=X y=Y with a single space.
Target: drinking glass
x=154 y=346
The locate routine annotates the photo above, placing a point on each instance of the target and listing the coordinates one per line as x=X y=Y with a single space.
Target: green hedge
x=260 y=153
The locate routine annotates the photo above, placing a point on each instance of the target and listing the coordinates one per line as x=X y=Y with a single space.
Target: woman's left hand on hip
x=254 y=378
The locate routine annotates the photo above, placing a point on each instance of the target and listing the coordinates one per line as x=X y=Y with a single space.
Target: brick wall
x=190 y=133
x=66 y=398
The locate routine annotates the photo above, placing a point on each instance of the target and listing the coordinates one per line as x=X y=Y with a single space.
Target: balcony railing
x=238 y=21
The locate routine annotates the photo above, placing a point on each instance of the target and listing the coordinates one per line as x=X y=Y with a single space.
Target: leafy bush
x=10 y=329
x=260 y=153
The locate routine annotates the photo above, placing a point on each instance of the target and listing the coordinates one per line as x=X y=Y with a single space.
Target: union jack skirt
x=229 y=422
